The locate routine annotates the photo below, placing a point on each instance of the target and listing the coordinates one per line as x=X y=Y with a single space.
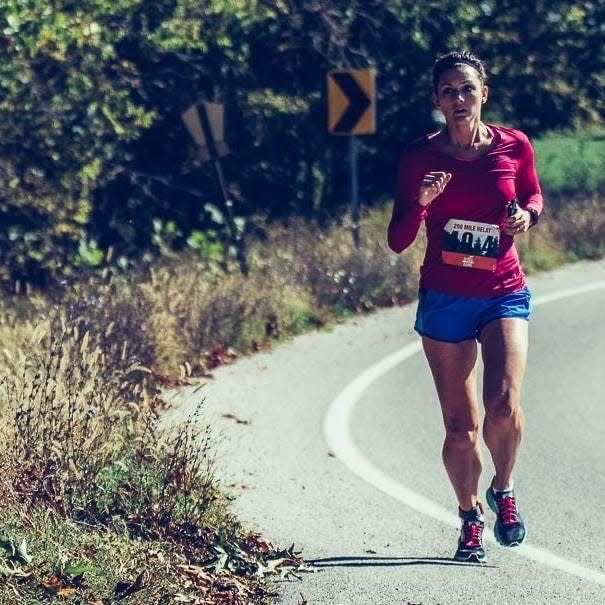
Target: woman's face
x=460 y=94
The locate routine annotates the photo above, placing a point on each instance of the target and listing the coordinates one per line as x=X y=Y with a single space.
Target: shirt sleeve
x=408 y=214
x=527 y=185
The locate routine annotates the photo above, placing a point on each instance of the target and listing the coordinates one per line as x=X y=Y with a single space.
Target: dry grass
x=84 y=468
x=194 y=313
x=78 y=407
x=79 y=439
x=300 y=278
x=303 y=277
x=183 y=316
x=338 y=276
x=581 y=226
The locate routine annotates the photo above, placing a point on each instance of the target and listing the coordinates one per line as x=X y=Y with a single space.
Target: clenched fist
x=433 y=184
x=520 y=222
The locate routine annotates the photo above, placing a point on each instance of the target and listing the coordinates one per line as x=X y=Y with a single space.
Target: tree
x=93 y=154
x=546 y=60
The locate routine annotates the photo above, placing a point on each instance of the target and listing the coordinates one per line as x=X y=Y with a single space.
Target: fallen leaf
x=171 y=382
x=53 y=583
x=217 y=357
x=257 y=542
x=125 y=589
x=198 y=574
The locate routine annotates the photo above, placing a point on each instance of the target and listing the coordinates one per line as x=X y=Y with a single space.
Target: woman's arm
x=408 y=213
x=526 y=182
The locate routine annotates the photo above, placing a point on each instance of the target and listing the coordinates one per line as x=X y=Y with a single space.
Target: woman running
x=475 y=187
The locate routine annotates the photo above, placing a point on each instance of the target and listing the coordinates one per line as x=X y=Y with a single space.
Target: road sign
x=351 y=101
x=206 y=125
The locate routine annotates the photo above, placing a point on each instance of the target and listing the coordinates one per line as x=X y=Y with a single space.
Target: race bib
x=470 y=244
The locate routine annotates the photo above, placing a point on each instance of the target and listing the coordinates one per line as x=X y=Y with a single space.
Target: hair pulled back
x=455 y=58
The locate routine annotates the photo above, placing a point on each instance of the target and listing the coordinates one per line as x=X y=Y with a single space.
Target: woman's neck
x=466 y=136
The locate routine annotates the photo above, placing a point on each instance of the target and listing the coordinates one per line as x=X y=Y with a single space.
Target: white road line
x=337 y=424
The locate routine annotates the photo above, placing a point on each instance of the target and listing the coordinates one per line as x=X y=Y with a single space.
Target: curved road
x=351 y=472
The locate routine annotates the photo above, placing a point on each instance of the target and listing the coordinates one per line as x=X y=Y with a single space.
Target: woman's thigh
x=504 y=350
x=453 y=366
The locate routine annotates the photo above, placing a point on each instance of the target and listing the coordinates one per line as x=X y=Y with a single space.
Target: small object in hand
x=512 y=207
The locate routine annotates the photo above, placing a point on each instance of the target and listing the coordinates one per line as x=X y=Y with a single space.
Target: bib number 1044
x=471 y=244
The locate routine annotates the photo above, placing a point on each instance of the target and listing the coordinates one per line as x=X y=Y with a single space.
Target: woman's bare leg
x=454 y=373
x=504 y=351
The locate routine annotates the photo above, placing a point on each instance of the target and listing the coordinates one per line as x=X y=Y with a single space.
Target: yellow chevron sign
x=351 y=101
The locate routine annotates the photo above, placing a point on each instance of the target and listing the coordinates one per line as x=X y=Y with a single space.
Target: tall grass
x=300 y=277
x=83 y=460
x=81 y=451
x=182 y=317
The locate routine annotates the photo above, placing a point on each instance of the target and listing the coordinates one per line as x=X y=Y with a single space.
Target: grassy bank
x=569 y=163
x=100 y=505
x=302 y=277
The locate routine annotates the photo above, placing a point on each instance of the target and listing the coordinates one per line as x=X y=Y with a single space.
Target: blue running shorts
x=456 y=318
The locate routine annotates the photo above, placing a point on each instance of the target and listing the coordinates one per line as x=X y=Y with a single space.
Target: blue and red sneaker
x=470 y=543
x=509 y=529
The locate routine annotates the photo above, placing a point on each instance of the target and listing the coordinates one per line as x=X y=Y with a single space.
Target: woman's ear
x=485 y=93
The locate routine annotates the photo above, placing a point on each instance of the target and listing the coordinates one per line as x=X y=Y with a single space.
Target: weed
x=98 y=501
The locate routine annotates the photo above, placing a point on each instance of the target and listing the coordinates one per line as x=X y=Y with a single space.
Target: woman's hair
x=458 y=57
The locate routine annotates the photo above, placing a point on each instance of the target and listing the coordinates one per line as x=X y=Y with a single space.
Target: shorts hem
x=510 y=316
x=453 y=342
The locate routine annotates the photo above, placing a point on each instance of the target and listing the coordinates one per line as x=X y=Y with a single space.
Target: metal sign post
x=205 y=124
x=355 y=207
x=352 y=111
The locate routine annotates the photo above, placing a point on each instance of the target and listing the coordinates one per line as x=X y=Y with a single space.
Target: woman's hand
x=518 y=223
x=433 y=184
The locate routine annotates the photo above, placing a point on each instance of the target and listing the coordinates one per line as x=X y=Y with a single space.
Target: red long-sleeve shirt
x=478 y=191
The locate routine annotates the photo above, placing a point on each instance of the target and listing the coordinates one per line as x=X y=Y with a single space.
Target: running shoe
x=509 y=529
x=470 y=543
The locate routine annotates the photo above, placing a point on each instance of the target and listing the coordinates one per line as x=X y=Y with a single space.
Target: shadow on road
x=388 y=562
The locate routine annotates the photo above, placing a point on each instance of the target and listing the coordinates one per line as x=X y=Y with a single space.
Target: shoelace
x=507 y=510
x=472 y=534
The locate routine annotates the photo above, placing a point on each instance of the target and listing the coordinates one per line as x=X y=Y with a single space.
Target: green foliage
x=89 y=254
x=571 y=163
x=92 y=147
x=545 y=59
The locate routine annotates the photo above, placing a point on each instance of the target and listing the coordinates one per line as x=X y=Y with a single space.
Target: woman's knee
x=461 y=434
x=502 y=405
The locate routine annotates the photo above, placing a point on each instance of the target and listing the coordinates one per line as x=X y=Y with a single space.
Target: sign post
x=205 y=123
x=351 y=112
x=355 y=206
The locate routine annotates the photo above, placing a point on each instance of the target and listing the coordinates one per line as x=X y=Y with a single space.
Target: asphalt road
x=340 y=454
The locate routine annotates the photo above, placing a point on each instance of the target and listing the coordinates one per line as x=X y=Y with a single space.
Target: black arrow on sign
x=358 y=102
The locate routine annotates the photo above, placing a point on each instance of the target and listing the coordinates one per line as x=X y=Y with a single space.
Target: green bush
x=96 y=167
x=571 y=163
x=92 y=149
